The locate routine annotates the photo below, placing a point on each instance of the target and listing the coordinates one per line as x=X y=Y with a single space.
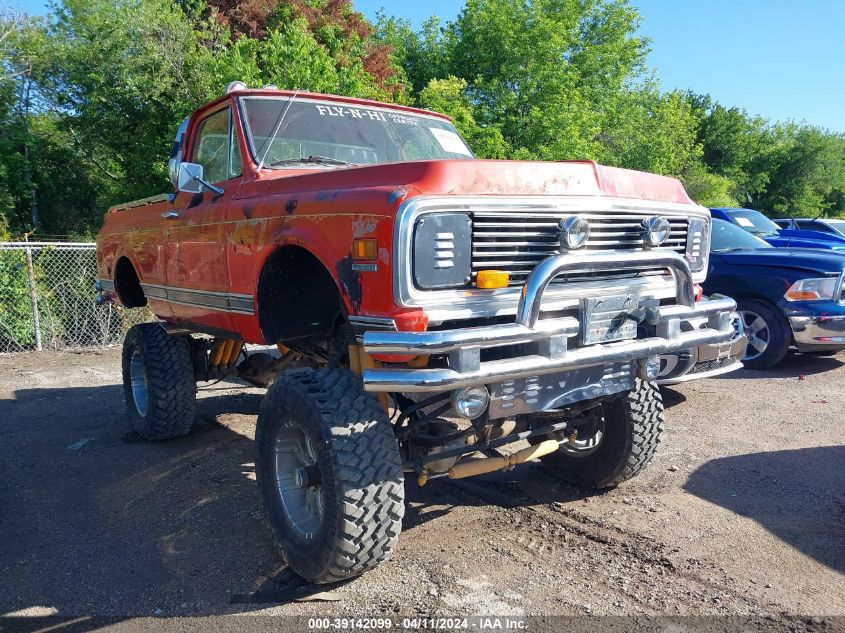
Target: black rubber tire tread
x=171 y=386
x=633 y=430
x=780 y=333
x=360 y=465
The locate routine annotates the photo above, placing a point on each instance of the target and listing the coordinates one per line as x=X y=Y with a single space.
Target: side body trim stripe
x=220 y=301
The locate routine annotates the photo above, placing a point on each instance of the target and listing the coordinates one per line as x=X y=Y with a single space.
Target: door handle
x=170 y=215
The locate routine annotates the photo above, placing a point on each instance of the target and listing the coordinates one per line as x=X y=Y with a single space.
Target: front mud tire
x=346 y=443
x=633 y=429
x=158 y=382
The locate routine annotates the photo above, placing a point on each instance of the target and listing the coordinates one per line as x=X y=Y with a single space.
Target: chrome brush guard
x=552 y=336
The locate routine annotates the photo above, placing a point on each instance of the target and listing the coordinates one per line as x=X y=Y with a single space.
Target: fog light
x=470 y=402
x=655 y=231
x=573 y=232
x=649 y=368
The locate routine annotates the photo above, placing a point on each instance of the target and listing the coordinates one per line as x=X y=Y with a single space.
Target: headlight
x=698 y=243
x=442 y=251
x=822 y=289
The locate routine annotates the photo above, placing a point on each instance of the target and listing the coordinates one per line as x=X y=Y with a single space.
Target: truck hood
x=782 y=241
x=803 y=238
x=480 y=178
x=812 y=260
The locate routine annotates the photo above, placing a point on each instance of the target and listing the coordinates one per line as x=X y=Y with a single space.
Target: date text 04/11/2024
x=479 y=623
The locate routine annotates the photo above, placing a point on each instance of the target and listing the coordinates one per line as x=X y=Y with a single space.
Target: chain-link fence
x=47 y=299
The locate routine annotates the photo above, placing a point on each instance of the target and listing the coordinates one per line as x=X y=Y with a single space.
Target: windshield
x=321 y=134
x=837 y=225
x=753 y=221
x=729 y=237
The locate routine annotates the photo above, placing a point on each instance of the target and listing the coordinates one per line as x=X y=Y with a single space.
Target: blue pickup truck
x=787 y=297
x=758 y=224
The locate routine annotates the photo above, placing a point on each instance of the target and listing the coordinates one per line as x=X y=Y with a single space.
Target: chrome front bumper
x=707 y=361
x=464 y=346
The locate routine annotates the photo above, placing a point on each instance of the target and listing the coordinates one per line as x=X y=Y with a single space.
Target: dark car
x=835 y=226
x=758 y=224
x=787 y=297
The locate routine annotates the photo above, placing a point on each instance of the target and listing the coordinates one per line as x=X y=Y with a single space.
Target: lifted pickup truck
x=430 y=308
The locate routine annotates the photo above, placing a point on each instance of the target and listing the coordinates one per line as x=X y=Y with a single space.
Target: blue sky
x=781 y=59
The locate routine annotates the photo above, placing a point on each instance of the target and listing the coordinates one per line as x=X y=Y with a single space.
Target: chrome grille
x=517 y=241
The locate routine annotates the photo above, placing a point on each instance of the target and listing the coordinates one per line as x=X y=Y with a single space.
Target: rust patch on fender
x=396 y=195
x=363 y=226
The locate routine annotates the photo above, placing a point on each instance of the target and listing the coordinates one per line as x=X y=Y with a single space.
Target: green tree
x=421 y=56
x=709 y=189
x=448 y=96
x=779 y=168
x=807 y=173
x=110 y=81
x=289 y=57
x=651 y=132
x=546 y=72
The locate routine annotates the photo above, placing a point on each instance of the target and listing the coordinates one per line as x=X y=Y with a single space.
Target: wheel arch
x=127 y=283
x=298 y=296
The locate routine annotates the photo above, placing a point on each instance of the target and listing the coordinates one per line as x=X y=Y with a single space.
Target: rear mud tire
x=158 y=382
x=361 y=493
x=633 y=429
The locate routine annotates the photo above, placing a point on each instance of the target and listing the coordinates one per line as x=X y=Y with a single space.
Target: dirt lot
x=743 y=511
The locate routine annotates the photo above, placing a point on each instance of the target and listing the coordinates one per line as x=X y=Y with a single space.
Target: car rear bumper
x=551 y=336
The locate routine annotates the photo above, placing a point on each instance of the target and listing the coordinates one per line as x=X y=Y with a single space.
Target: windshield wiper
x=316 y=159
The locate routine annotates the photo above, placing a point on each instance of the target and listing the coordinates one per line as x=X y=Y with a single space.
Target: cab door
x=194 y=228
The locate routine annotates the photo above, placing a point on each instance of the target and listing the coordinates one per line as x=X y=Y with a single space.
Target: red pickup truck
x=431 y=310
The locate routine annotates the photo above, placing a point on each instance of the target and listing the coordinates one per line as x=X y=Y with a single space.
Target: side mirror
x=190 y=180
x=190 y=177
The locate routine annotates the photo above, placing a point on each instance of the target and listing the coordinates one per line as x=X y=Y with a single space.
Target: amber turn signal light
x=364 y=249
x=489 y=279
x=803 y=295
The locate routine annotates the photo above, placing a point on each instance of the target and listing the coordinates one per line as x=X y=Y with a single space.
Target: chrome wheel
x=757 y=333
x=298 y=480
x=138 y=380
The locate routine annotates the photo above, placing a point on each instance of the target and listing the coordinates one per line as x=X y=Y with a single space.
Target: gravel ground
x=741 y=512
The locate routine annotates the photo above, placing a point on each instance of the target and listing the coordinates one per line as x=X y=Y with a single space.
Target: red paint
x=221 y=245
